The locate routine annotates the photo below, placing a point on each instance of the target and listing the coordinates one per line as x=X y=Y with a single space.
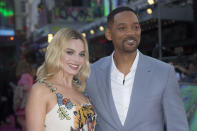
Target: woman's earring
x=76 y=81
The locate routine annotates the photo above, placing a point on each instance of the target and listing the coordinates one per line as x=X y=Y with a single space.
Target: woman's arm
x=182 y=69
x=36 y=109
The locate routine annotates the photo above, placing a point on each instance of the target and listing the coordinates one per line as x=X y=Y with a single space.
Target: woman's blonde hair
x=56 y=49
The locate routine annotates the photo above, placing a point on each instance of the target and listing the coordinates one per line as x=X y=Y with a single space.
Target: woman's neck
x=62 y=79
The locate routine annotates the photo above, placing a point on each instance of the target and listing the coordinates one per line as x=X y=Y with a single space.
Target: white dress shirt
x=122 y=88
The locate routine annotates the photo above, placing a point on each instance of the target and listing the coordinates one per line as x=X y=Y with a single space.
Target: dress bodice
x=66 y=116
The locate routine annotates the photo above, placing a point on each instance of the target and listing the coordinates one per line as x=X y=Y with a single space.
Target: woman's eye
x=82 y=54
x=69 y=52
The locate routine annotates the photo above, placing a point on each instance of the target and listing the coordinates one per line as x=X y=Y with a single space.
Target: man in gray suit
x=131 y=91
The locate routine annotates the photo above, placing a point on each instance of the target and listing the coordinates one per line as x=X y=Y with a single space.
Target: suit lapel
x=108 y=93
x=142 y=77
x=112 y=104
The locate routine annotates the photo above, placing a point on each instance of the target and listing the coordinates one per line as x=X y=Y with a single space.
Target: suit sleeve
x=174 y=112
x=85 y=93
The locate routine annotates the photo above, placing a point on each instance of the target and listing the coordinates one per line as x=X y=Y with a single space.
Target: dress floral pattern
x=82 y=117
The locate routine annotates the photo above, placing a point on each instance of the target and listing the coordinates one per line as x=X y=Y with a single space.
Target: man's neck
x=124 y=61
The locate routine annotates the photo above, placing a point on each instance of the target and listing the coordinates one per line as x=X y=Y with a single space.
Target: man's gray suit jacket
x=155 y=99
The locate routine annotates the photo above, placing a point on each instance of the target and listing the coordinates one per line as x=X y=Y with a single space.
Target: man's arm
x=174 y=112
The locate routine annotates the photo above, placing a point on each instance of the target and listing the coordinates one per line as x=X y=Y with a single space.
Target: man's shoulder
x=101 y=61
x=157 y=62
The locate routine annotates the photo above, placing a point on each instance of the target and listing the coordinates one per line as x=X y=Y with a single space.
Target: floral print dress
x=66 y=116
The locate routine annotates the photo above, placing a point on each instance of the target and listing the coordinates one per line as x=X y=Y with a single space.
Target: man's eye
x=136 y=27
x=69 y=52
x=121 y=28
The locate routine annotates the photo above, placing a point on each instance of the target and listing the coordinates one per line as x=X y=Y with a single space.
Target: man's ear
x=108 y=34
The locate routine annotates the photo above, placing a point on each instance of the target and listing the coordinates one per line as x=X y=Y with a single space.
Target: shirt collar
x=133 y=67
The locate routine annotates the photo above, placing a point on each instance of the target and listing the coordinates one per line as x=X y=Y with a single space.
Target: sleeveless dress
x=66 y=116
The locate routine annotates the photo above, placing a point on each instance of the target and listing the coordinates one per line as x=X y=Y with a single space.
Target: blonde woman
x=56 y=101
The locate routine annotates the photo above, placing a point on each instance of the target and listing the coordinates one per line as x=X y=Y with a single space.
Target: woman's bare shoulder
x=40 y=90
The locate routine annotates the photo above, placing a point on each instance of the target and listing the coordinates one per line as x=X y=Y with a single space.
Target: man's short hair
x=110 y=17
